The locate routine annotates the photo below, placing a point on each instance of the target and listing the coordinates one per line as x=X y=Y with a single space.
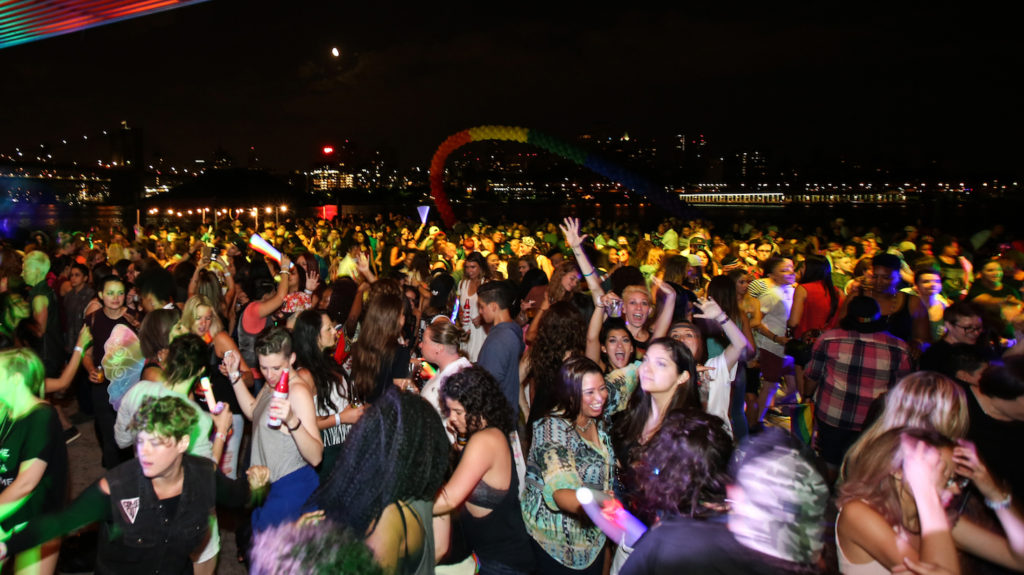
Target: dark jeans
x=104 y=422
x=833 y=442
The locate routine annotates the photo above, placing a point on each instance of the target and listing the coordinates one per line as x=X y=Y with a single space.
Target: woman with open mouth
x=154 y=511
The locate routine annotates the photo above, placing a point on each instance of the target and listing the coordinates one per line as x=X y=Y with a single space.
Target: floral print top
x=560 y=458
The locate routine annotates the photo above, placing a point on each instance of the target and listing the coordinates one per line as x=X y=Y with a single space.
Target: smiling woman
x=571 y=449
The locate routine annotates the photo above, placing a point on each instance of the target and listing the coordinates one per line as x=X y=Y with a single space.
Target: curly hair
x=397 y=451
x=684 y=465
x=478 y=392
x=169 y=417
x=561 y=332
x=327 y=375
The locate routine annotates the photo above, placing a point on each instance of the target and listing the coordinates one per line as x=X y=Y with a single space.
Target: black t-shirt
x=996 y=440
x=35 y=436
x=397 y=369
x=695 y=547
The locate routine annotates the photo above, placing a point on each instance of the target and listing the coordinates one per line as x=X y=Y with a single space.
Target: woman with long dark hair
x=485 y=487
x=475 y=273
x=377 y=357
x=571 y=449
x=815 y=301
x=560 y=335
x=313 y=339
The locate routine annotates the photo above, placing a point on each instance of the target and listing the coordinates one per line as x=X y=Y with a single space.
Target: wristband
x=78 y=349
x=1000 y=504
x=337 y=419
x=724 y=319
x=590 y=274
x=227 y=274
x=284 y=272
x=308 y=291
x=297 y=425
x=220 y=435
x=234 y=376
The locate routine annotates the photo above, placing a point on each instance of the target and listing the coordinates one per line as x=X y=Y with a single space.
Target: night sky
x=911 y=87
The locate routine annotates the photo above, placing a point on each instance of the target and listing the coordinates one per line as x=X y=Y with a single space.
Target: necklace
x=585 y=428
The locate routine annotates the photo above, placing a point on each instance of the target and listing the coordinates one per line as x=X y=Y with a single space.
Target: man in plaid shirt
x=852 y=365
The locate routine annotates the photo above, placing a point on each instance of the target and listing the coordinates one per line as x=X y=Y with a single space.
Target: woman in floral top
x=572 y=449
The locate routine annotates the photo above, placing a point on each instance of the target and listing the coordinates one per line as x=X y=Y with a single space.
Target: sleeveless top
x=847 y=568
x=900 y=323
x=221 y=385
x=101 y=327
x=272 y=447
x=500 y=536
x=469 y=309
x=334 y=435
x=425 y=514
x=148 y=532
x=816 y=310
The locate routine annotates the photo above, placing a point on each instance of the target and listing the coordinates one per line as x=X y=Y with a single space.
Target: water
x=18 y=220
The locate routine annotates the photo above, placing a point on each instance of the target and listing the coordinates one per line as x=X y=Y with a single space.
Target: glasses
x=969 y=328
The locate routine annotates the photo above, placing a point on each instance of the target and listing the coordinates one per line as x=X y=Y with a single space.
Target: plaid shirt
x=852 y=369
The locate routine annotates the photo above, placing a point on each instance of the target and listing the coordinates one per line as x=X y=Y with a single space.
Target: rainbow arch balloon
x=576 y=154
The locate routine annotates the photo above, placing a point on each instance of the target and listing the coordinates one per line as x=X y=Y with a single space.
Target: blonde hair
x=873 y=475
x=191 y=312
x=641 y=289
x=923 y=399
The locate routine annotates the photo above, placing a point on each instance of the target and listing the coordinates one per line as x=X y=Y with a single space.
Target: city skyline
x=912 y=88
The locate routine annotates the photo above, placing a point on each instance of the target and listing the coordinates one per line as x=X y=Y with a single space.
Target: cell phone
x=206 y=252
x=214 y=252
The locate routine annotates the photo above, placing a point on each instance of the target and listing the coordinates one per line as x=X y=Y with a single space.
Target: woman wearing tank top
x=896 y=504
x=485 y=487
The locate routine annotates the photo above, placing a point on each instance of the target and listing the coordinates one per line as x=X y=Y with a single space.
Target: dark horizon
x=920 y=89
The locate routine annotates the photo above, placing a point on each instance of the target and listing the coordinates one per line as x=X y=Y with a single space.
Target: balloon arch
x=655 y=194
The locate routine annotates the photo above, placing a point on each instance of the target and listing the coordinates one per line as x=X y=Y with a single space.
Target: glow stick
x=608 y=514
x=207 y=390
x=423 y=210
x=455 y=311
x=261 y=245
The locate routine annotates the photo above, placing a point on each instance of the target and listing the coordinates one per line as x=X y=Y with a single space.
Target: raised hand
x=571 y=229
x=312 y=280
x=230 y=362
x=922 y=464
x=709 y=309
x=969 y=465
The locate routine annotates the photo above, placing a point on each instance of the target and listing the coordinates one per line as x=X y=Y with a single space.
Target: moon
x=335 y=52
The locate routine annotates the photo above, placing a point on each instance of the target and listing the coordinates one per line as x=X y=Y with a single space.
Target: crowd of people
x=389 y=396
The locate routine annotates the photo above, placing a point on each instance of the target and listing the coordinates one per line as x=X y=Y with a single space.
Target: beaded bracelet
x=1001 y=504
